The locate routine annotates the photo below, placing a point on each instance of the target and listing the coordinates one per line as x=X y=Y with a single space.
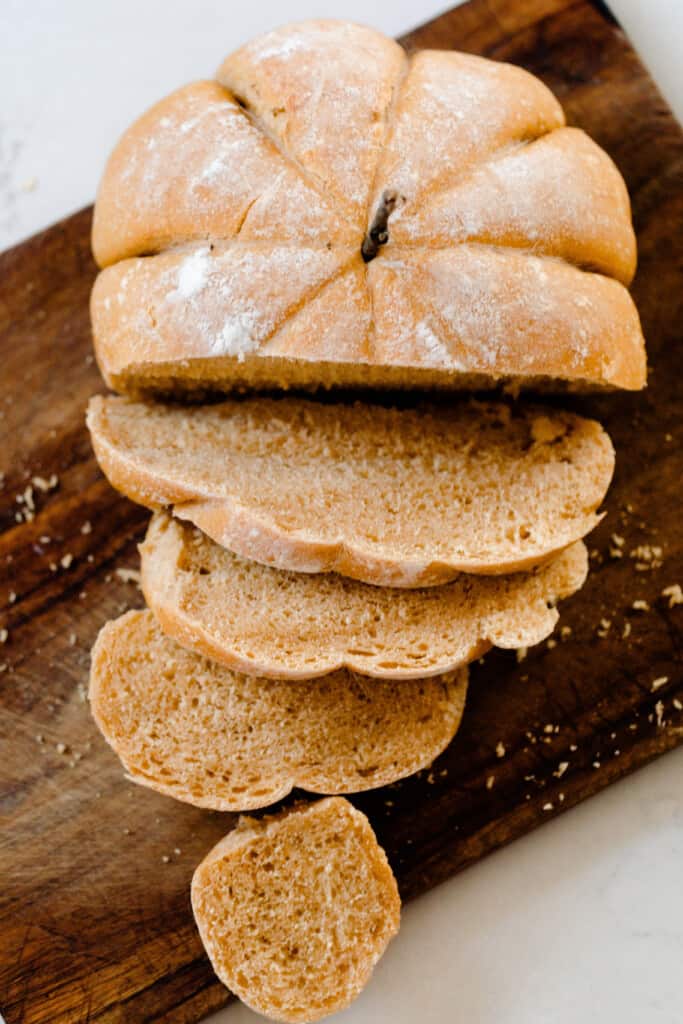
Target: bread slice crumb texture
x=403 y=498
x=269 y=622
x=195 y=730
x=296 y=909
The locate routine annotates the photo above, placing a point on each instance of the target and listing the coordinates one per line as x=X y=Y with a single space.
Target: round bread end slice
x=295 y=910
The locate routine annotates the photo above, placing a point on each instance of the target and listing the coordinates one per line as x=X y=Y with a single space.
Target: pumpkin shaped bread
x=331 y=211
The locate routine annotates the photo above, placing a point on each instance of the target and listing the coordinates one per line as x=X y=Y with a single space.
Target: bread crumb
x=659 y=712
x=646 y=556
x=551 y=643
x=490 y=781
x=12 y=597
x=573 y=747
x=86 y=527
x=4 y=635
x=626 y=631
x=128 y=575
x=549 y=728
x=677 y=704
x=659 y=682
x=596 y=764
x=521 y=653
x=617 y=540
x=640 y=606
x=41 y=484
x=604 y=628
x=500 y=749
x=72 y=639
x=165 y=859
x=548 y=807
x=66 y=560
x=561 y=769
x=61 y=748
x=674 y=593
x=565 y=632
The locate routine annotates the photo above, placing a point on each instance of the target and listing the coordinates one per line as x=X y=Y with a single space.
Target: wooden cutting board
x=95 y=921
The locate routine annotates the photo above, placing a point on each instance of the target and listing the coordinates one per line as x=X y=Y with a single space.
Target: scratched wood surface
x=95 y=922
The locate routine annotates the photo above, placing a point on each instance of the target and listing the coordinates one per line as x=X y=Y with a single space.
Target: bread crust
x=483 y=169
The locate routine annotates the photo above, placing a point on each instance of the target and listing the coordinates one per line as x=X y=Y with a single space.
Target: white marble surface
x=581 y=921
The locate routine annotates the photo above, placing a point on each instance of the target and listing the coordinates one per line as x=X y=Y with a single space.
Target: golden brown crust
x=485 y=176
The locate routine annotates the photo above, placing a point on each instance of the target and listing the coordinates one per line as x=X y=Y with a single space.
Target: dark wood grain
x=95 y=922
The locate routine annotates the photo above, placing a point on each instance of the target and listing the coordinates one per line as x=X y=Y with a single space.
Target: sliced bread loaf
x=424 y=220
x=295 y=909
x=194 y=730
x=399 y=498
x=268 y=622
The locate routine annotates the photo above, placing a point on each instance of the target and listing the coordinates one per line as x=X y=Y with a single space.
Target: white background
x=580 y=922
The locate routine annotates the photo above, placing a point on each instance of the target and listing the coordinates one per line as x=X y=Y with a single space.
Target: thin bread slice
x=295 y=910
x=267 y=622
x=195 y=730
x=403 y=498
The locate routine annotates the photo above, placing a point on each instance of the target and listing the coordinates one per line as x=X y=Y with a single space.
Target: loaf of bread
x=331 y=211
x=295 y=910
x=398 y=498
x=197 y=731
x=287 y=625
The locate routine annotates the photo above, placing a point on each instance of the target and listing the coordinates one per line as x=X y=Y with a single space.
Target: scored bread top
x=197 y=731
x=294 y=910
x=393 y=497
x=334 y=211
x=267 y=622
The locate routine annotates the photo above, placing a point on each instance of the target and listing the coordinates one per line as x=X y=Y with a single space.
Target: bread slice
x=398 y=498
x=295 y=910
x=195 y=730
x=286 y=625
x=424 y=220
